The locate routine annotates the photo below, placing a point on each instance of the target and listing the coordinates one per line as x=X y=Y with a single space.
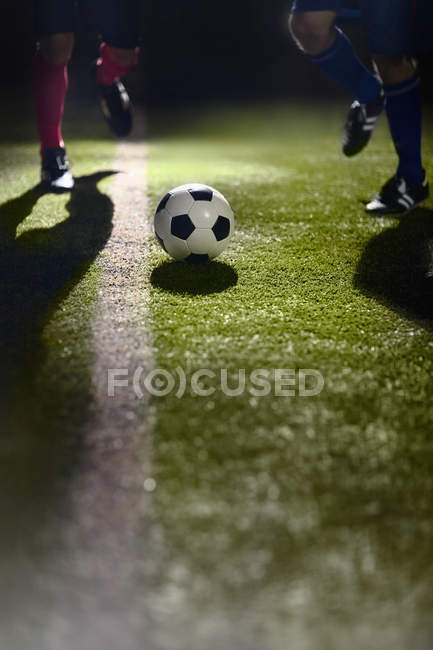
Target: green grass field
x=301 y=522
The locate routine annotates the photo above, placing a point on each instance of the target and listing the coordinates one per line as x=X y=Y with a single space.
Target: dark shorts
x=117 y=20
x=390 y=26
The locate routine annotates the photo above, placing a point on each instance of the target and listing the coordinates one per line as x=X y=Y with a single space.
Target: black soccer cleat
x=115 y=105
x=55 y=171
x=398 y=196
x=360 y=124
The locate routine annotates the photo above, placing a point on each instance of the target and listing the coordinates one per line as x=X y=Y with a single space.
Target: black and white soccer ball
x=194 y=223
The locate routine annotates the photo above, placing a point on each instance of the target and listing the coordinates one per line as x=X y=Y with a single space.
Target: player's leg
x=313 y=31
x=312 y=24
x=402 y=87
x=54 y=25
x=114 y=62
x=388 y=27
x=119 y=20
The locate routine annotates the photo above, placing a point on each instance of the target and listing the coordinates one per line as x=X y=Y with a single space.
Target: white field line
x=118 y=440
x=110 y=530
x=121 y=335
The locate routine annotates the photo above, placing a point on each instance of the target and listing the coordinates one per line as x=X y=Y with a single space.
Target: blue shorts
x=390 y=26
x=117 y=20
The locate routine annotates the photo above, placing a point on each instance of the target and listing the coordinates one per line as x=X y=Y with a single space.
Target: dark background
x=193 y=51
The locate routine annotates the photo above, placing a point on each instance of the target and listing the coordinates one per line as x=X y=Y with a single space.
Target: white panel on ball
x=162 y=223
x=179 y=203
x=177 y=248
x=221 y=246
x=202 y=242
x=203 y=214
x=222 y=207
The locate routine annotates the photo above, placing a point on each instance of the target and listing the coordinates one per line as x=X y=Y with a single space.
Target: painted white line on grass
x=110 y=531
x=121 y=334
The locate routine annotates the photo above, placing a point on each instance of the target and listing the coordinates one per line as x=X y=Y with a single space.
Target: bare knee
x=313 y=31
x=394 y=69
x=57 y=49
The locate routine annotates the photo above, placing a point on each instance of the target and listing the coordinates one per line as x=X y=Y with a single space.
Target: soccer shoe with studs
x=398 y=196
x=115 y=105
x=360 y=124
x=55 y=171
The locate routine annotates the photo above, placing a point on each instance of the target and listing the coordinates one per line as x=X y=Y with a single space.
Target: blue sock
x=341 y=63
x=403 y=109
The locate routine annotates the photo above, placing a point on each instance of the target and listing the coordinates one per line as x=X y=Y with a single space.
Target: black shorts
x=117 y=20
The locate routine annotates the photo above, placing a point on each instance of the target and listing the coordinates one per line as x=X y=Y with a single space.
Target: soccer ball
x=194 y=223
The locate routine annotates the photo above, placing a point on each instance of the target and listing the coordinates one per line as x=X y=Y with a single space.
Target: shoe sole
x=354 y=152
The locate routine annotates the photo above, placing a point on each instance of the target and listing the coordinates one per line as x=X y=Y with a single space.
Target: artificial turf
x=281 y=522
x=48 y=288
x=307 y=519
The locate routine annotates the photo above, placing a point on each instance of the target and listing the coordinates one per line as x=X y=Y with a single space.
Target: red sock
x=108 y=70
x=50 y=82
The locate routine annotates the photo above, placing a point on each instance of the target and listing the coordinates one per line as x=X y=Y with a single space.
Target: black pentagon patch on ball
x=201 y=195
x=221 y=228
x=161 y=242
x=163 y=202
x=182 y=226
x=195 y=258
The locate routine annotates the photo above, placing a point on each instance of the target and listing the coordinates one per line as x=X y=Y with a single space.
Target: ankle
x=109 y=69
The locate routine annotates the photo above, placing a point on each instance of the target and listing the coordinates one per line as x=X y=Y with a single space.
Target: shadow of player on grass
x=397 y=267
x=194 y=279
x=38 y=269
x=45 y=400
